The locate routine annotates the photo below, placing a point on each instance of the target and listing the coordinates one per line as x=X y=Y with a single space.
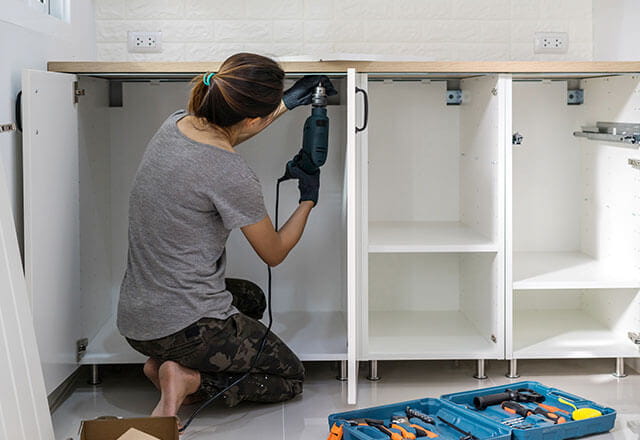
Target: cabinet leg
x=619 y=373
x=480 y=373
x=342 y=373
x=373 y=371
x=94 y=379
x=513 y=369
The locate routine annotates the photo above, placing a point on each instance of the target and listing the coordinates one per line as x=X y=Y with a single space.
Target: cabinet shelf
x=426 y=335
x=556 y=334
x=398 y=237
x=569 y=270
x=313 y=336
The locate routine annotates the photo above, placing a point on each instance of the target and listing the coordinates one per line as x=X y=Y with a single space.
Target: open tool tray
x=542 y=428
x=482 y=427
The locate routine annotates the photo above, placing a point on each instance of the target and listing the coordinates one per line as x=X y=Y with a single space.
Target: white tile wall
x=195 y=30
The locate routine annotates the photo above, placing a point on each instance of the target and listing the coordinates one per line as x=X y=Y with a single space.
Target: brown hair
x=246 y=86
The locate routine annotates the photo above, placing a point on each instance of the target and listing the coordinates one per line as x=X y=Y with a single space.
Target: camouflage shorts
x=223 y=350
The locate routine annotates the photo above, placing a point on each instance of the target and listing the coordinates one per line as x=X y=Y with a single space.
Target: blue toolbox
x=518 y=411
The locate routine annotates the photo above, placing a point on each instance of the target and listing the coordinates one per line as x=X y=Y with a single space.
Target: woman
x=200 y=331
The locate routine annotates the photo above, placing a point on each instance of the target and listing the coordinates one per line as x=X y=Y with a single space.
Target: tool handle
x=552 y=408
x=336 y=432
x=482 y=402
x=423 y=432
x=392 y=434
x=405 y=433
x=516 y=408
x=555 y=418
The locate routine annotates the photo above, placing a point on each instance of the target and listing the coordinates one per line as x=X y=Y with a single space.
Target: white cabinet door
x=24 y=413
x=356 y=141
x=51 y=218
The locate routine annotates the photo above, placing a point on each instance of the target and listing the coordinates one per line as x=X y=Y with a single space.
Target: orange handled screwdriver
x=552 y=408
x=516 y=408
x=336 y=432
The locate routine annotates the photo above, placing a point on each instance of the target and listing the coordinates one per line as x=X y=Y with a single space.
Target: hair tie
x=207 y=79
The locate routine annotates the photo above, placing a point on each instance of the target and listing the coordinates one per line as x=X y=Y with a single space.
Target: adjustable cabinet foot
x=342 y=373
x=513 y=369
x=619 y=373
x=94 y=379
x=373 y=371
x=480 y=373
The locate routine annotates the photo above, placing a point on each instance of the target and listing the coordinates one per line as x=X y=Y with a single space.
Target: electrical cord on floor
x=263 y=341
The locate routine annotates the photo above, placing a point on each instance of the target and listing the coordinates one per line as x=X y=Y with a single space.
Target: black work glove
x=300 y=93
x=308 y=184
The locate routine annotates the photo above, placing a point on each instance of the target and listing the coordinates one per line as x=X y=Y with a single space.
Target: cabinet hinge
x=494 y=339
x=635 y=163
x=77 y=92
x=454 y=97
x=7 y=127
x=575 y=97
x=516 y=139
x=81 y=348
x=635 y=337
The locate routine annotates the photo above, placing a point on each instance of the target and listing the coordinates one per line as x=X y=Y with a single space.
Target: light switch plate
x=144 y=42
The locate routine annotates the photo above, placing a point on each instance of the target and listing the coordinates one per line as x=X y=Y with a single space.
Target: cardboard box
x=164 y=428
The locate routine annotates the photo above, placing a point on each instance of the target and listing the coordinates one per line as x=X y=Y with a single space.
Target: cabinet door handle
x=366 y=109
x=19 y=111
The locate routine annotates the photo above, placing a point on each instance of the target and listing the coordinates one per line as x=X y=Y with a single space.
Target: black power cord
x=263 y=341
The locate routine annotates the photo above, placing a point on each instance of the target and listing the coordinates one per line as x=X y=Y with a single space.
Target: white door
x=356 y=140
x=51 y=218
x=24 y=413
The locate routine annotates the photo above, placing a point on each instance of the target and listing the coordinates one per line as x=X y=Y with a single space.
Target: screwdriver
x=336 y=432
x=552 y=408
x=516 y=408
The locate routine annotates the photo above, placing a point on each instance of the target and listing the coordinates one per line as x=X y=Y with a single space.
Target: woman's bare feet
x=176 y=383
x=150 y=369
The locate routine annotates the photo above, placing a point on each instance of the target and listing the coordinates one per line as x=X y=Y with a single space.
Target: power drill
x=315 y=137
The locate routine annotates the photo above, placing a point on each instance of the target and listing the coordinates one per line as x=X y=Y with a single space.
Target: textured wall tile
x=318 y=49
x=580 y=31
x=211 y=51
x=482 y=10
x=111 y=30
x=112 y=51
x=106 y=9
x=217 y=10
x=576 y=9
x=422 y=9
x=361 y=9
x=170 y=51
x=145 y=9
x=393 y=31
x=525 y=9
x=477 y=52
x=319 y=9
x=187 y=30
x=243 y=31
x=274 y=9
x=334 y=31
x=523 y=31
x=275 y=50
x=288 y=31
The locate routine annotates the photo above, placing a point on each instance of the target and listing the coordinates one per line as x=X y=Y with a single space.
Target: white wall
x=436 y=29
x=28 y=39
x=616 y=34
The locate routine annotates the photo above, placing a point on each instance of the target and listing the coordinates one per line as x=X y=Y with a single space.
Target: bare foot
x=150 y=370
x=176 y=383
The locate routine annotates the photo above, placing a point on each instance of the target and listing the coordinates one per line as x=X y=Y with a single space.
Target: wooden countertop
x=456 y=68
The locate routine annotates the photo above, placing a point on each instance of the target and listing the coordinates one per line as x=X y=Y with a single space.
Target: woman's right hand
x=300 y=93
x=308 y=184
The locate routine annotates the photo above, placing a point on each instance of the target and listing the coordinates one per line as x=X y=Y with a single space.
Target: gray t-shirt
x=186 y=199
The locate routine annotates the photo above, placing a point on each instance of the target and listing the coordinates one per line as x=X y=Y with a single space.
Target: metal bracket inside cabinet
x=635 y=163
x=635 y=337
x=575 y=97
x=517 y=139
x=77 y=92
x=627 y=133
x=454 y=97
x=81 y=348
x=7 y=127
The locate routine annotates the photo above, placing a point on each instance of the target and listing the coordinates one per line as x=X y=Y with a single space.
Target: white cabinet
x=435 y=219
x=575 y=289
x=434 y=238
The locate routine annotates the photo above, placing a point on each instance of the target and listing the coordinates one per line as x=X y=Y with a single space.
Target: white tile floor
x=126 y=393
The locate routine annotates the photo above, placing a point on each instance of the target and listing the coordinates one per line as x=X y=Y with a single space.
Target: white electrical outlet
x=550 y=42
x=145 y=42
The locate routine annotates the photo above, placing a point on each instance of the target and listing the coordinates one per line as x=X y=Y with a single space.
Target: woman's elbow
x=275 y=259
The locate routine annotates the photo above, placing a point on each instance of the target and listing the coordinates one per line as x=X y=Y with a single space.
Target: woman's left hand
x=300 y=93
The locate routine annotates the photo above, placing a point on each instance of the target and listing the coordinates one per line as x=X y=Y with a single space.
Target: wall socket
x=550 y=42
x=144 y=42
